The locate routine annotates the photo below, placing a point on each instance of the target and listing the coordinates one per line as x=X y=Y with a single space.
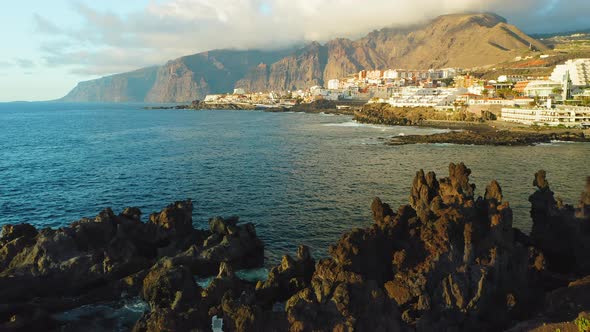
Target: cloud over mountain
x=108 y=42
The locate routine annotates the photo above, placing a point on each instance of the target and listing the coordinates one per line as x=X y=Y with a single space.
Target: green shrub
x=583 y=324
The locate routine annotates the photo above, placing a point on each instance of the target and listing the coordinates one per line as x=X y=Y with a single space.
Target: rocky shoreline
x=466 y=128
x=202 y=106
x=385 y=114
x=316 y=107
x=110 y=257
x=490 y=137
x=447 y=261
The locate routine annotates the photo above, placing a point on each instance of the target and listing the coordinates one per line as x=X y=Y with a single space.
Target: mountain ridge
x=456 y=40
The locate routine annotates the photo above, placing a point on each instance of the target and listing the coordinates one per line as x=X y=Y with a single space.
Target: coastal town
x=559 y=100
x=300 y=166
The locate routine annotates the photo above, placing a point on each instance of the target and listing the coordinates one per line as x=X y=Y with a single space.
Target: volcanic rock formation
x=100 y=259
x=448 y=261
x=561 y=231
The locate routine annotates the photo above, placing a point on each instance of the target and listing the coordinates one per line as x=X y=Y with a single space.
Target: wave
x=124 y=313
x=204 y=282
x=555 y=143
x=407 y=130
x=354 y=124
x=252 y=275
x=563 y=142
x=448 y=144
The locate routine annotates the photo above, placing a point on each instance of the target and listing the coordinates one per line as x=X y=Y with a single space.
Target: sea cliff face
x=447 y=261
x=463 y=41
x=128 y=87
x=176 y=83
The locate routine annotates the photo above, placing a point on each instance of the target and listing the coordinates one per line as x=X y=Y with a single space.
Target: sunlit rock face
x=462 y=41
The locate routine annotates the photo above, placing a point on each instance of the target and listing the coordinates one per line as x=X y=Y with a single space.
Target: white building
x=449 y=72
x=542 y=88
x=299 y=94
x=569 y=116
x=501 y=102
x=476 y=89
x=425 y=97
x=511 y=78
x=212 y=98
x=320 y=93
x=374 y=74
x=239 y=91
x=333 y=84
x=435 y=74
x=375 y=81
x=579 y=72
x=391 y=74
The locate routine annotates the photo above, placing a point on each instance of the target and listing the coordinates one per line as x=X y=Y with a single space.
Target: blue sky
x=50 y=45
x=24 y=74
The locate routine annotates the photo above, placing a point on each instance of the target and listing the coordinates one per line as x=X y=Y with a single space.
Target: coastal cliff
x=127 y=87
x=447 y=260
x=464 y=41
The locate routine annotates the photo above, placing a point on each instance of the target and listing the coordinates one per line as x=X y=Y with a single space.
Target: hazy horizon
x=53 y=46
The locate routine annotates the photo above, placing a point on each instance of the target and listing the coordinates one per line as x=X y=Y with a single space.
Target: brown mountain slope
x=451 y=41
x=462 y=40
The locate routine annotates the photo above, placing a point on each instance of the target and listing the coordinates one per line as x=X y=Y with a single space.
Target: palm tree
x=557 y=91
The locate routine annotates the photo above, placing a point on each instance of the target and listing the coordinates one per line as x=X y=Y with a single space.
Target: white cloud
x=45 y=26
x=166 y=29
x=25 y=63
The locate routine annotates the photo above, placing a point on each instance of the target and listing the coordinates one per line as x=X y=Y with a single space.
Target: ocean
x=300 y=178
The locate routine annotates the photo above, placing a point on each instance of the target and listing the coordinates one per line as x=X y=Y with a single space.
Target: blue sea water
x=301 y=178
